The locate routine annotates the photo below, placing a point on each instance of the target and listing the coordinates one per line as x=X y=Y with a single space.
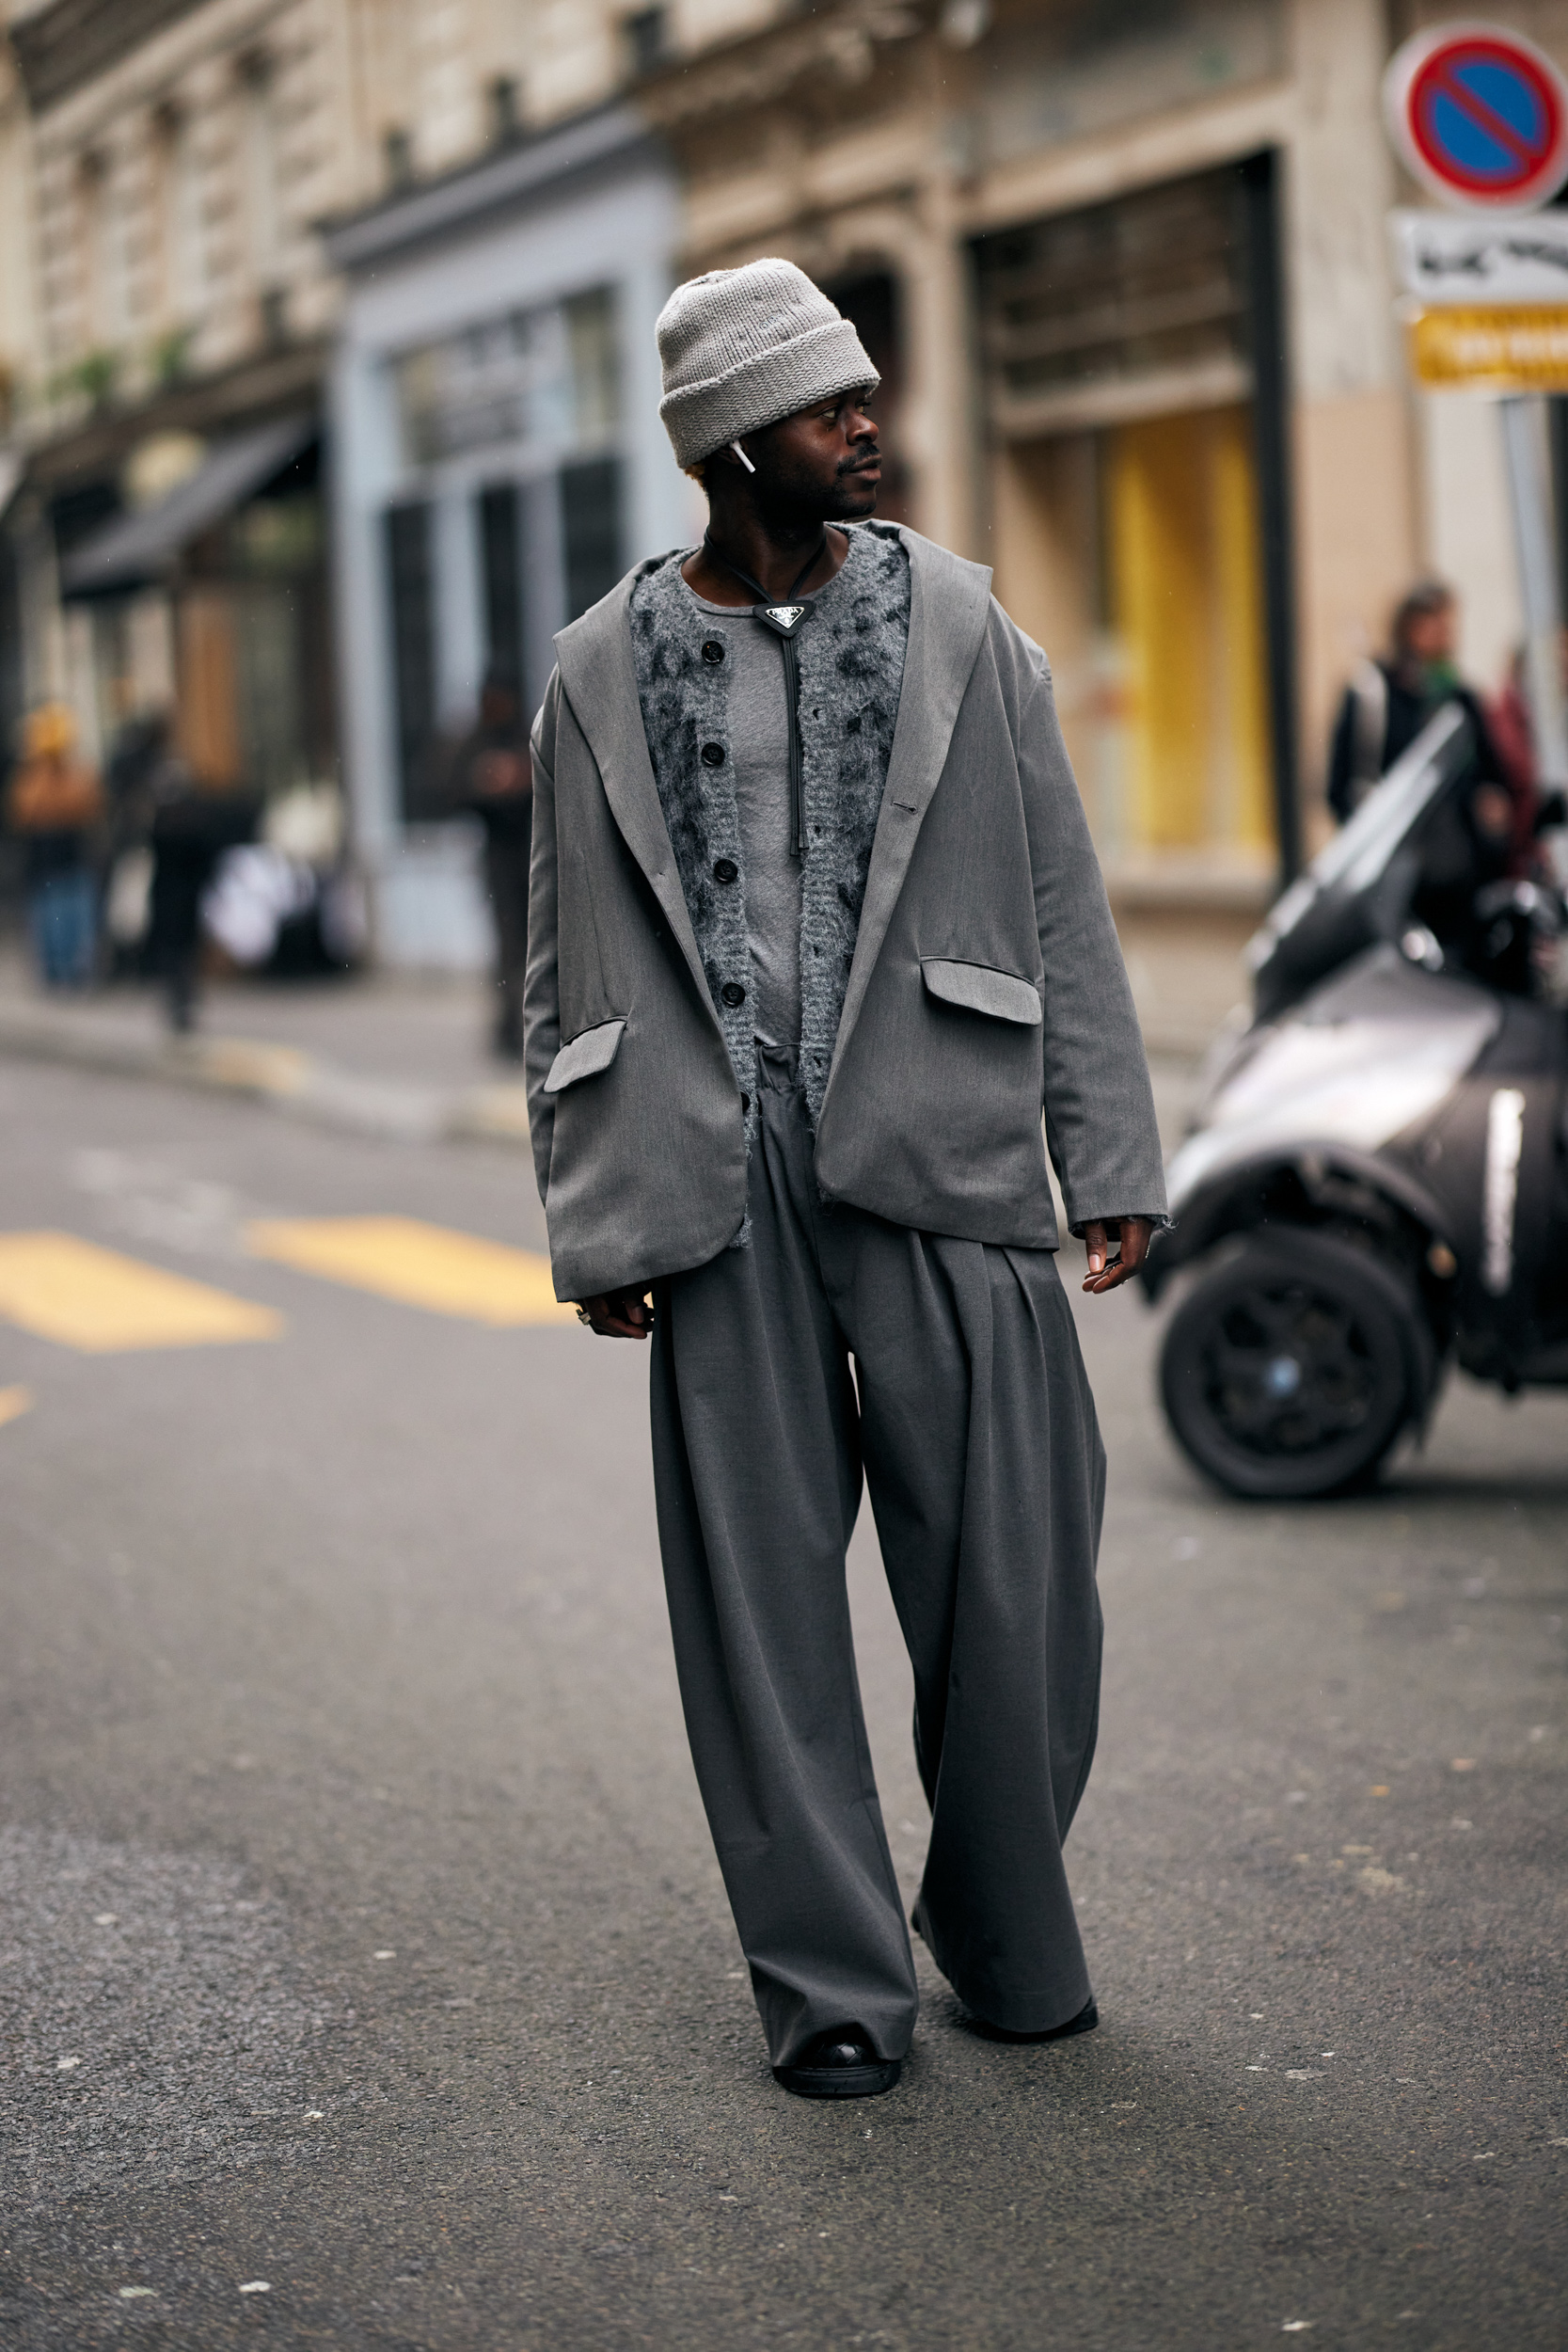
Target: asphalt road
x=365 y=1975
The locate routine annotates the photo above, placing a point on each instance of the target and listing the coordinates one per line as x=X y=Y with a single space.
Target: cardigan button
x=713 y=650
x=726 y=870
x=713 y=754
x=733 y=994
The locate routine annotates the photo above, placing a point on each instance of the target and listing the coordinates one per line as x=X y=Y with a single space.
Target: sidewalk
x=390 y=1055
x=399 y=1056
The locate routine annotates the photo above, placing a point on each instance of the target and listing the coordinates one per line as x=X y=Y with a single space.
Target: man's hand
x=1106 y=1271
x=626 y=1315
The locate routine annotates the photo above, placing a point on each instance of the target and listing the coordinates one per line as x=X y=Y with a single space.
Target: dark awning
x=134 y=550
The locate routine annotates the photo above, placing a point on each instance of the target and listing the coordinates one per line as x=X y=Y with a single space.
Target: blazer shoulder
x=1016 y=647
x=602 y=622
x=936 y=568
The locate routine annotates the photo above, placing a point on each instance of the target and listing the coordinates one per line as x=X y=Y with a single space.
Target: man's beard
x=793 y=499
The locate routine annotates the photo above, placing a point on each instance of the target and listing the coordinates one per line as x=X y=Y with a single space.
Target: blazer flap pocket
x=981 y=988
x=593 y=1051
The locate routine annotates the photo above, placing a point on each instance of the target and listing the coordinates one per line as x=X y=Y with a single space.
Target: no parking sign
x=1479 y=117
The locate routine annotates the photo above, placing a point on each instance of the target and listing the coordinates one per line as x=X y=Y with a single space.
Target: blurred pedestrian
x=1388 y=701
x=138 y=756
x=1467 y=841
x=491 y=776
x=192 y=826
x=817 y=929
x=54 y=803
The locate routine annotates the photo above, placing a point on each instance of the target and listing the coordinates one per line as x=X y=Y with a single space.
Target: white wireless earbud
x=741 y=455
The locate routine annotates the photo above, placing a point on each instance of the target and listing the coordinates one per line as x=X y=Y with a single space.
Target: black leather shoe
x=840 y=2065
x=1086 y=2022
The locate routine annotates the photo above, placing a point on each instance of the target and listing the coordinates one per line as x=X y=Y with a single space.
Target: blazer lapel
x=599 y=680
x=949 y=604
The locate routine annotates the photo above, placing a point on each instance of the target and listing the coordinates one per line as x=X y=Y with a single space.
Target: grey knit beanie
x=743 y=348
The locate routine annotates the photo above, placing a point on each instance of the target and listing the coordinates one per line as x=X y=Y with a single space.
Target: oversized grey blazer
x=987 y=978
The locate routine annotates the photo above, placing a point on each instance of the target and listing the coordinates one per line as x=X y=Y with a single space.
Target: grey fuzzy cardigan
x=851 y=670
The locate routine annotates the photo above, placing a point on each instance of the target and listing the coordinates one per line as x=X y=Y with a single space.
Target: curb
x=284 y=1078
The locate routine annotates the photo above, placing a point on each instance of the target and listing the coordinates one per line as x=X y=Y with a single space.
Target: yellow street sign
x=1497 y=349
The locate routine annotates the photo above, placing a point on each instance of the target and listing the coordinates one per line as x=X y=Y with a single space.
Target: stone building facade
x=1123 y=266
x=1131 y=265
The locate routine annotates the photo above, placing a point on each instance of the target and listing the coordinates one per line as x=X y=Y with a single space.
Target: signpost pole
x=1529 y=482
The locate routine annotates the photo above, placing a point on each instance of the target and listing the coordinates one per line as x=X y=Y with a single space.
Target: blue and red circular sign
x=1479 y=117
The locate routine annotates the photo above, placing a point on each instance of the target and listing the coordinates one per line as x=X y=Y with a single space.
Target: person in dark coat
x=1470 y=839
x=492 y=778
x=1388 y=703
x=191 y=828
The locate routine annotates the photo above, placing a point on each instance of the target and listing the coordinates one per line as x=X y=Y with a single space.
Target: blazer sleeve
x=541 y=990
x=1099 y=1120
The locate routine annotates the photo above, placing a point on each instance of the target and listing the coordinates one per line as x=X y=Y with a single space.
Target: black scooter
x=1375 y=1183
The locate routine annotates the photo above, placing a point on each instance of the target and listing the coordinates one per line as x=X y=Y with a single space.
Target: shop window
x=182 y=254
x=546 y=377
x=1087 y=313
x=590 y=528
x=503 y=108
x=501 y=575
x=1124 y=377
x=593 y=341
x=397 y=155
x=1185 y=597
x=413 y=633
x=259 y=156
x=647 y=40
x=267 y=685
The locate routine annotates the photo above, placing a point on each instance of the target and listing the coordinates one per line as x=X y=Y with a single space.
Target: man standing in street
x=816 y=929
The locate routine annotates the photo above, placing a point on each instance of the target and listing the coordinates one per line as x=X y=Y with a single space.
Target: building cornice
x=529 y=171
x=65 y=45
x=835 y=44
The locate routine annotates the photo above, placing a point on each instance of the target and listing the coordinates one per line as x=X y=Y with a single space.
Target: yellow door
x=1186 y=607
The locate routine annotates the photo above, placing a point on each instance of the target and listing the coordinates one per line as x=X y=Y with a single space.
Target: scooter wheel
x=1290 y=1370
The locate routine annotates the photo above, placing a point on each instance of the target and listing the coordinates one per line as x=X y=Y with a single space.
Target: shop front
x=1139 y=507
x=206 y=594
x=496 y=401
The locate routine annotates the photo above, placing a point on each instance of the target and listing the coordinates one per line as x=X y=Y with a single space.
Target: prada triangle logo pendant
x=783 y=619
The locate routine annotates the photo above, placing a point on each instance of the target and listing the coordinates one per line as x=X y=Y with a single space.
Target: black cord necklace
x=785 y=620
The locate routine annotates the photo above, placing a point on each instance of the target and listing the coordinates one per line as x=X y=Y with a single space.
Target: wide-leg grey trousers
x=977 y=1432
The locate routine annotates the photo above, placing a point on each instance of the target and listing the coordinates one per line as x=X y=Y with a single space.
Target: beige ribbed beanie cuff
x=743 y=348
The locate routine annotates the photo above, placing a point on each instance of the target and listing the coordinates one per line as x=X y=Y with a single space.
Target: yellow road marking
x=418 y=1264
x=13 y=1404
x=62 y=1288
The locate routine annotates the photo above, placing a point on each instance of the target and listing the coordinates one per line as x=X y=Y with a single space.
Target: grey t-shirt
x=759 y=756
